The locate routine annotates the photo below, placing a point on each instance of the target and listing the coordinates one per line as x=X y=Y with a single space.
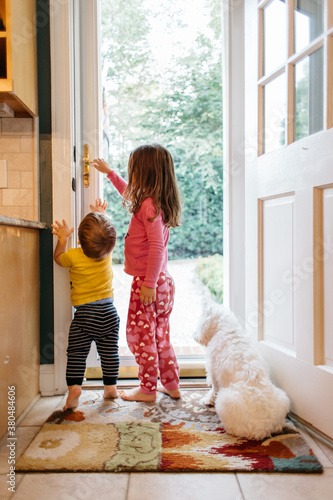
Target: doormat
x=167 y=435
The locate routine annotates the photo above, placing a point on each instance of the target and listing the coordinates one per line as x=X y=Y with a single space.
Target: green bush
x=210 y=271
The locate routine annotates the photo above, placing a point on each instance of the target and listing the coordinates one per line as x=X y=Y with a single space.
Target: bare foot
x=74 y=393
x=176 y=394
x=110 y=392
x=137 y=395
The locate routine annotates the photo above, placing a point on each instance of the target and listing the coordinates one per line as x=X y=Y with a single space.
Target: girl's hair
x=97 y=236
x=151 y=173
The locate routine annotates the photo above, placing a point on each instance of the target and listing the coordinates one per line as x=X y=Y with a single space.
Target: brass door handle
x=86 y=165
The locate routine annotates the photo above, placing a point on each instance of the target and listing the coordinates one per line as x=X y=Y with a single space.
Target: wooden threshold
x=185 y=383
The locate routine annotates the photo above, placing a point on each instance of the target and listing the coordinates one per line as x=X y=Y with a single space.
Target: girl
x=152 y=197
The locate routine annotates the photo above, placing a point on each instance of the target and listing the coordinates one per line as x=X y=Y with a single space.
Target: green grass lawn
x=210 y=271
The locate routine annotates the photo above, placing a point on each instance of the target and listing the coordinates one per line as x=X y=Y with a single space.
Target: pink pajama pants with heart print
x=148 y=335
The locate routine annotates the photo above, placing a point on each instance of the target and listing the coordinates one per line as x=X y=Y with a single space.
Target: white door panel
x=289 y=226
x=309 y=388
x=278 y=250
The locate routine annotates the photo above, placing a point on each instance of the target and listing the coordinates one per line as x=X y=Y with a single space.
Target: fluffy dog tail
x=252 y=412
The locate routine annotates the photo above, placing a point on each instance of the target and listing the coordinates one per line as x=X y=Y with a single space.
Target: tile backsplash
x=19 y=147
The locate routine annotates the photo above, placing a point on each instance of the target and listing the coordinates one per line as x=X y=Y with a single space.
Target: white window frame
x=325 y=40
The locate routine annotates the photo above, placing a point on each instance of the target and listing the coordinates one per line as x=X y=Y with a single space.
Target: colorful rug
x=165 y=436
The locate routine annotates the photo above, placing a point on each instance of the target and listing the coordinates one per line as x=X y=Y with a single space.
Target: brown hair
x=97 y=236
x=151 y=173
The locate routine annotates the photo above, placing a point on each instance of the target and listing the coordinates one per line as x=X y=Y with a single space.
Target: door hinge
x=73 y=184
x=74 y=154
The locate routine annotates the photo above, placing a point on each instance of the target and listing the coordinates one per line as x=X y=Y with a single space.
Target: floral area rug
x=168 y=435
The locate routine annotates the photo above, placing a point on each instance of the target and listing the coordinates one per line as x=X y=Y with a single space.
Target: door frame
x=64 y=168
x=233 y=77
x=67 y=163
x=52 y=377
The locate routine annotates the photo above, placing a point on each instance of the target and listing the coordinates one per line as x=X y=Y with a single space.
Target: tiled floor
x=167 y=486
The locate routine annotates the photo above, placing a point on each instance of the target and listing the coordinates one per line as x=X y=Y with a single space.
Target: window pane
x=274 y=35
x=275 y=114
x=309 y=21
x=309 y=90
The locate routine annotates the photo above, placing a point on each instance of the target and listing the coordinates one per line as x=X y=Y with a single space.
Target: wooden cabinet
x=18 y=56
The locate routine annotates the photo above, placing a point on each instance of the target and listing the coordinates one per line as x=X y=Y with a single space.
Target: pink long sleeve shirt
x=146 y=253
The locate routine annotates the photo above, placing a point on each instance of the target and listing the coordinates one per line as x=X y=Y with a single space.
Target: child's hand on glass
x=62 y=230
x=100 y=206
x=101 y=165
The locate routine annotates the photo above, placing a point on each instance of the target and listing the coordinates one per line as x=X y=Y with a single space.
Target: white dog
x=246 y=401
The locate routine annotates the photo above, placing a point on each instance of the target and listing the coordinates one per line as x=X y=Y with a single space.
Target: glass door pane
x=275 y=48
x=309 y=21
x=309 y=95
x=161 y=68
x=275 y=94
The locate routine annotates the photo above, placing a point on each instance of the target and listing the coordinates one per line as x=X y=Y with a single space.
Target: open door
x=289 y=197
x=94 y=93
x=88 y=101
x=75 y=123
x=88 y=122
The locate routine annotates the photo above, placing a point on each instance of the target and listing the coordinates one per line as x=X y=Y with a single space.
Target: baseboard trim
x=311 y=429
x=46 y=380
x=199 y=384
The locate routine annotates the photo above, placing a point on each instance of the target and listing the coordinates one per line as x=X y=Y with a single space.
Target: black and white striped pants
x=98 y=322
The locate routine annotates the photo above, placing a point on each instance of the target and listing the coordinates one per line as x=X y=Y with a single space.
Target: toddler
x=95 y=316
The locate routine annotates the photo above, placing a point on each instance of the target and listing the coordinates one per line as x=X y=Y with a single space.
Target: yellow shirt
x=91 y=279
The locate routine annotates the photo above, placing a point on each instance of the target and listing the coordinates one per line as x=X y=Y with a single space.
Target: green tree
x=126 y=70
x=181 y=108
x=188 y=118
x=125 y=61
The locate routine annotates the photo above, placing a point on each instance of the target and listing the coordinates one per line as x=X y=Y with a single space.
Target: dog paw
x=208 y=401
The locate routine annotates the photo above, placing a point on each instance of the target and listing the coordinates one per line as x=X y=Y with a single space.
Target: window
x=275 y=113
x=295 y=70
x=308 y=22
x=275 y=53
